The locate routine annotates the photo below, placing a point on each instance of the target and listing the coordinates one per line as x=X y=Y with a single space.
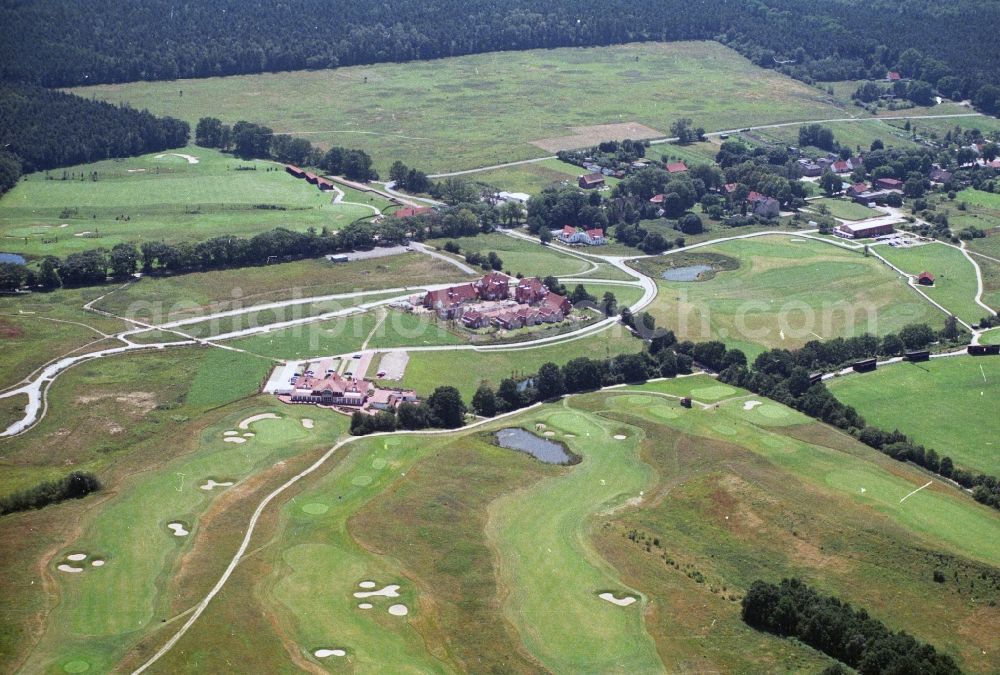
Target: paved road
x=423 y=248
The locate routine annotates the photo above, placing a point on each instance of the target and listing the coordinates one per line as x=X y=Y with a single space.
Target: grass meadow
x=786 y=292
x=954 y=277
x=841 y=208
x=144 y=198
x=853 y=135
x=473 y=111
x=529 y=258
x=945 y=404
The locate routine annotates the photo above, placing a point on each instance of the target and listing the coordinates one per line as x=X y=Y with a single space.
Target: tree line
x=74 y=486
x=851 y=636
x=248 y=140
x=63 y=44
x=43 y=129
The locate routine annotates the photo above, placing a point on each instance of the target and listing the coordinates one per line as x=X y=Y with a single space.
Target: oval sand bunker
x=367 y=584
x=69 y=568
x=621 y=602
x=620 y=437
x=234 y=439
x=365 y=605
x=97 y=563
x=323 y=653
x=750 y=405
x=76 y=557
x=307 y=423
x=399 y=610
x=178 y=529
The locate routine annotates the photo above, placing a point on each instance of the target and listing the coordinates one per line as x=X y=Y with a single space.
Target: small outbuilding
x=925 y=279
x=591 y=181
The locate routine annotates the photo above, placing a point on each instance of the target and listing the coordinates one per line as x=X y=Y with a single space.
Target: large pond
x=544 y=450
x=11 y=258
x=689 y=273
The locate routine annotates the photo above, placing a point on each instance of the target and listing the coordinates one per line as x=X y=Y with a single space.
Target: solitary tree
x=446 y=407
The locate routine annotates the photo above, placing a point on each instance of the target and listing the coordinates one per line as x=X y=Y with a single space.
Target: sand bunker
x=307 y=423
x=390 y=591
x=82 y=234
x=365 y=605
x=69 y=568
x=234 y=439
x=621 y=602
x=190 y=158
x=245 y=424
x=620 y=437
x=399 y=610
x=549 y=433
x=323 y=653
x=76 y=557
x=230 y=433
x=211 y=484
x=367 y=584
x=178 y=529
x=97 y=563
x=750 y=405
x=570 y=435
x=249 y=435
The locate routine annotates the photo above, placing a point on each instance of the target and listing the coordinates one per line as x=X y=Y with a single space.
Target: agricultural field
x=954 y=276
x=165 y=197
x=448 y=114
x=528 y=258
x=845 y=210
x=787 y=291
x=961 y=424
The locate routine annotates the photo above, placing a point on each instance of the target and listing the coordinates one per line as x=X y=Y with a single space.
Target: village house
x=447 y=302
x=676 y=167
x=893 y=76
x=575 y=235
x=857 y=189
x=889 y=184
x=331 y=390
x=530 y=291
x=475 y=319
x=810 y=168
x=493 y=286
x=591 y=181
x=768 y=207
x=940 y=176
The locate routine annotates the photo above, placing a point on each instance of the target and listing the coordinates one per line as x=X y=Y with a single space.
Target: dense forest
x=56 y=43
x=44 y=129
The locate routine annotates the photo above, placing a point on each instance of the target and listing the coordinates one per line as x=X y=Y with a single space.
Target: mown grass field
x=841 y=208
x=529 y=258
x=144 y=198
x=189 y=295
x=474 y=111
x=954 y=276
x=945 y=404
x=786 y=292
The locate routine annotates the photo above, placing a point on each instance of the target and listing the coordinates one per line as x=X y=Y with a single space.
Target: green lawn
x=322 y=338
x=430 y=369
x=841 y=208
x=954 y=277
x=473 y=111
x=786 y=292
x=225 y=375
x=699 y=387
x=945 y=404
x=403 y=329
x=529 y=258
x=144 y=198
x=990 y=200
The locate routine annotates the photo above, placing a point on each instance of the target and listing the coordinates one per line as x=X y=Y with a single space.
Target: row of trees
x=42 y=129
x=74 y=486
x=784 y=376
x=853 y=637
x=255 y=141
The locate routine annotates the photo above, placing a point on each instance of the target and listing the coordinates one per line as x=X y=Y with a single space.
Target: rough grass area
x=529 y=258
x=474 y=111
x=532 y=178
x=788 y=291
x=954 y=276
x=701 y=388
x=12 y=409
x=845 y=210
x=189 y=295
x=145 y=198
x=428 y=370
x=37 y=328
x=853 y=135
x=945 y=404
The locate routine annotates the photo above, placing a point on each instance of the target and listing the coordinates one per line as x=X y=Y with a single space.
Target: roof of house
x=656 y=199
x=859 y=187
x=592 y=178
x=676 y=167
x=568 y=230
x=755 y=197
x=889 y=181
x=453 y=295
x=841 y=166
x=729 y=187
x=926 y=275
x=293 y=168
x=893 y=75
x=595 y=232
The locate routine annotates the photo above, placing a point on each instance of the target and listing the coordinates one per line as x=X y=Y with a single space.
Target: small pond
x=689 y=273
x=11 y=258
x=541 y=449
